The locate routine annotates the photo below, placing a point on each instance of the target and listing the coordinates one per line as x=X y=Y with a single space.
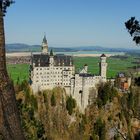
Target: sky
x=71 y=23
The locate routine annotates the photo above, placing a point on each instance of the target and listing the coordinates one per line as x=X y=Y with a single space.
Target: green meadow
x=18 y=71
x=115 y=65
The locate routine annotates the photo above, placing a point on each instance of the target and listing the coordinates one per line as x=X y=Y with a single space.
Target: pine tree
x=70 y=105
x=53 y=100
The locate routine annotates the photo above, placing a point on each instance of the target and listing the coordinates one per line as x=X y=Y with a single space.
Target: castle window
x=80 y=91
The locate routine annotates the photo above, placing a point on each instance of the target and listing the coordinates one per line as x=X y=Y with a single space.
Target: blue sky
x=69 y=23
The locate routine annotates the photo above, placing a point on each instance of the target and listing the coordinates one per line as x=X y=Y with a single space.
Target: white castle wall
x=50 y=77
x=78 y=85
x=80 y=89
x=82 y=83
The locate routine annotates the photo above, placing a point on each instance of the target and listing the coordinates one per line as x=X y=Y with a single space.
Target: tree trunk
x=10 y=125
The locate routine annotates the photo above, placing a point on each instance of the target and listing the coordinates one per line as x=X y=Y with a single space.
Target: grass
x=115 y=65
x=18 y=71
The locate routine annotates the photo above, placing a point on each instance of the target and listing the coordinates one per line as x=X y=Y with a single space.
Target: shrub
x=53 y=100
x=70 y=105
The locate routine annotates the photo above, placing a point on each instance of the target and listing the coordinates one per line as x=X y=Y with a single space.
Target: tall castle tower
x=103 y=66
x=44 y=45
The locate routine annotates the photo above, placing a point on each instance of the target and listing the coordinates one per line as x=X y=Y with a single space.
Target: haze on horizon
x=71 y=23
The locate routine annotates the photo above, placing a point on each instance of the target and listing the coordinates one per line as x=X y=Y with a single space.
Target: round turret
x=103 y=66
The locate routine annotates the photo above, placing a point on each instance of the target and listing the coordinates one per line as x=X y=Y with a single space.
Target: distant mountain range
x=18 y=47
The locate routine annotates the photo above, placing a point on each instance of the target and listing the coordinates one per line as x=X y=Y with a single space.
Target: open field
x=18 y=71
x=115 y=65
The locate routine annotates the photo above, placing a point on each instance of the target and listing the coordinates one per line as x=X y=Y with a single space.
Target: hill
x=19 y=47
x=49 y=115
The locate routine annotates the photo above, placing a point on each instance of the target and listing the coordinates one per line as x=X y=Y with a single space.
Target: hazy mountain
x=18 y=47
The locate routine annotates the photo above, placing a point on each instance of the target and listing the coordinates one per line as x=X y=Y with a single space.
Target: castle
x=48 y=71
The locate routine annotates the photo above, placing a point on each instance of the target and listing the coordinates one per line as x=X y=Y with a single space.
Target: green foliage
x=137 y=136
x=4 y=4
x=133 y=27
x=40 y=130
x=70 y=104
x=116 y=137
x=31 y=113
x=18 y=81
x=133 y=101
x=45 y=99
x=33 y=102
x=110 y=118
x=1 y=137
x=130 y=100
x=99 y=129
x=137 y=81
x=82 y=124
x=53 y=100
x=24 y=86
x=94 y=136
x=106 y=93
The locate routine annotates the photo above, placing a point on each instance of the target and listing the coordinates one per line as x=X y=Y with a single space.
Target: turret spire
x=44 y=39
x=44 y=45
x=51 y=52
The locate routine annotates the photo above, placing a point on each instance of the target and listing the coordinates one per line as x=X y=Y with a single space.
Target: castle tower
x=51 y=58
x=103 y=66
x=44 y=45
